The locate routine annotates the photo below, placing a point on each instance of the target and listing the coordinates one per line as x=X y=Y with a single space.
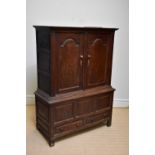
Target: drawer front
x=68 y=127
x=97 y=118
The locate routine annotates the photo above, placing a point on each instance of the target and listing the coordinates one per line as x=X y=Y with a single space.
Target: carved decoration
x=68 y=41
x=98 y=40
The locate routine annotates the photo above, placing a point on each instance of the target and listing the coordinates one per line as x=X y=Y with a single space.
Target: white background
x=13 y=85
x=105 y=13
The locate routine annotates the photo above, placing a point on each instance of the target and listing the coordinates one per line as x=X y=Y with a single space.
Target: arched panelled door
x=69 y=61
x=81 y=65
x=97 y=59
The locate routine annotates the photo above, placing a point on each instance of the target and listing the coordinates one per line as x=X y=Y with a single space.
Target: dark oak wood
x=43 y=58
x=97 y=58
x=74 y=67
x=69 y=59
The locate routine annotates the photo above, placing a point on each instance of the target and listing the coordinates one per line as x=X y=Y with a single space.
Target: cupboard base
x=56 y=118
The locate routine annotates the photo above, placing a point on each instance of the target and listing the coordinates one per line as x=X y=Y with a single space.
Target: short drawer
x=68 y=127
x=98 y=117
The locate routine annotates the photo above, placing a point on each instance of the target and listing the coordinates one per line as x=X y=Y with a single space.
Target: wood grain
x=74 y=66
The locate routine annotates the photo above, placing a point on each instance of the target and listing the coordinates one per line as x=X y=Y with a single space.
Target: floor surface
x=101 y=140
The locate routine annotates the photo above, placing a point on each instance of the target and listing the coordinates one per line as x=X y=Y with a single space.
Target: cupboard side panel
x=43 y=58
x=110 y=57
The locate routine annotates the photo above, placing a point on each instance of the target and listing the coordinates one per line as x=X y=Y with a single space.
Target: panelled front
x=97 y=58
x=103 y=101
x=83 y=111
x=69 y=61
x=82 y=59
x=73 y=59
x=92 y=104
x=73 y=115
x=85 y=106
x=63 y=112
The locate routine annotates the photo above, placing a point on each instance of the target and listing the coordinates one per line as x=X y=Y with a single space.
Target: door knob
x=81 y=60
x=81 y=56
x=89 y=56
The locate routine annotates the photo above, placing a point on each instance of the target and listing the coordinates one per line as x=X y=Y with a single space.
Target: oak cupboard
x=74 y=66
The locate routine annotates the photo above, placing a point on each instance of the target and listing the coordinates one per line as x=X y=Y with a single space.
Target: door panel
x=103 y=102
x=85 y=106
x=69 y=61
x=97 y=56
x=63 y=112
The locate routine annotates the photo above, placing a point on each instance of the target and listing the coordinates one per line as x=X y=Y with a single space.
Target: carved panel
x=69 y=41
x=97 y=60
x=102 y=102
x=63 y=112
x=68 y=62
x=85 y=106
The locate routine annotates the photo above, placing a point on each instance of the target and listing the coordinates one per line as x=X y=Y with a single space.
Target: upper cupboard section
x=70 y=59
x=82 y=59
